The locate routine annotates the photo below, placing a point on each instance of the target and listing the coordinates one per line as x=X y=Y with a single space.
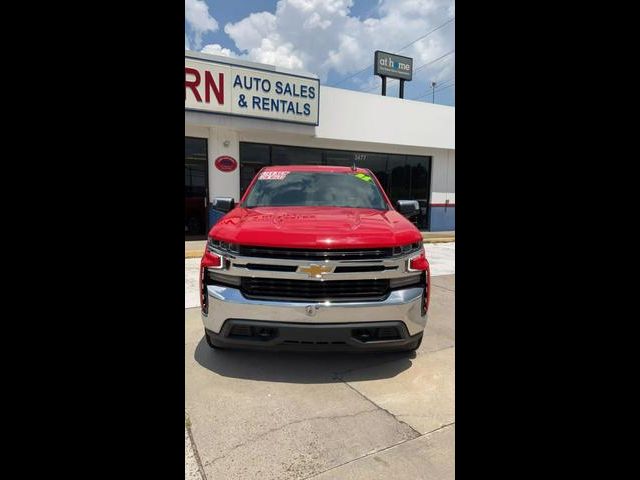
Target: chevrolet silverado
x=314 y=258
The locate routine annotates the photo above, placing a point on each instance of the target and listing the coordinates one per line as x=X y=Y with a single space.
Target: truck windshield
x=315 y=189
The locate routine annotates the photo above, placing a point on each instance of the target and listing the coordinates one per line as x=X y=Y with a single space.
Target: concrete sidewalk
x=194 y=249
x=295 y=416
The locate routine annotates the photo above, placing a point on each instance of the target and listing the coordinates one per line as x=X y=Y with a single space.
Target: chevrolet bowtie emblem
x=315 y=271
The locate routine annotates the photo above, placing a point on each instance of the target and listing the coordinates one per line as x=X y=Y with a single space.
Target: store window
x=377 y=163
x=403 y=177
x=253 y=157
x=295 y=156
x=195 y=188
x=419 y=173
x=400 y=178
x=339 y=158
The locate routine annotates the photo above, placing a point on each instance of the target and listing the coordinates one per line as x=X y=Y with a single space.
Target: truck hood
x=315 y=227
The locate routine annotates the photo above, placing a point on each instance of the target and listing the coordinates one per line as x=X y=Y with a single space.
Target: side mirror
x=408 y=208
x=223 y=204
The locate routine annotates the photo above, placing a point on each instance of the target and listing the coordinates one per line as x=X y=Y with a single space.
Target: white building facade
x=241 y=116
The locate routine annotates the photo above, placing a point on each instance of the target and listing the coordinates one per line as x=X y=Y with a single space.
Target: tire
x=210 y=343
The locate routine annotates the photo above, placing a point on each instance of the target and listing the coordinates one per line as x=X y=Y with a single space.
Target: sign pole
x=389 y=65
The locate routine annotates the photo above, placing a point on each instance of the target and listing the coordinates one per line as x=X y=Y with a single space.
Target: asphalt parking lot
x=271 y=415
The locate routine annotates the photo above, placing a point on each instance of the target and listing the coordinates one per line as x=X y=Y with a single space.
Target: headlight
x=409 y=248
x=212 y=244
x=215 y=245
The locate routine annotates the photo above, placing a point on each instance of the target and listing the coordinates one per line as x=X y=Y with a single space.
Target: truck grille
x=307 y=254
x=331 y=290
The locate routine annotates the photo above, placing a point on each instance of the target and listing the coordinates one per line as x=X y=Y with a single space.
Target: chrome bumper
x=402 y=305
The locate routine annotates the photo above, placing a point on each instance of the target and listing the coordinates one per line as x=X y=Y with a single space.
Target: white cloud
x=216 y=49
x=320 y=35
x=249 y=32
x=196 y=14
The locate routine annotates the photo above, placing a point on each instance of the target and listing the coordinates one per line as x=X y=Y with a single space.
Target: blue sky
x=334 y=39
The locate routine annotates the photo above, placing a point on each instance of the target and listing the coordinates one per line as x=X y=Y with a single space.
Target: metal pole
x=384 y=86
x=401 y=88
x=433 y=92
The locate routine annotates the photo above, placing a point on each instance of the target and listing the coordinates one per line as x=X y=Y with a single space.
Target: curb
x=198 y=253
x=439 y=240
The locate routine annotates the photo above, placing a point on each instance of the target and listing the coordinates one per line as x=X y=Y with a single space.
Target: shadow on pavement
x=301 y=367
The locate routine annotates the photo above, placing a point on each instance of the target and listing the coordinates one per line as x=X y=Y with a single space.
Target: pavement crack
x=377 y=451
x=338 y=376
x=360 y=457
x=441 y=427
x=440 y=349
x=272 y=430
x=443 y=288
x=187 y=425
x=417 y=433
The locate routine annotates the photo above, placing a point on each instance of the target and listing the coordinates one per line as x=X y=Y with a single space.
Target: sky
x=335 y=39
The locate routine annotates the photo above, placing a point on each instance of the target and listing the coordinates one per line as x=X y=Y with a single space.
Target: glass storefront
x=195 y=188
x=404 y=177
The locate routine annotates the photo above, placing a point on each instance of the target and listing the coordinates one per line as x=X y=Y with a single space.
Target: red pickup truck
x=315 y=258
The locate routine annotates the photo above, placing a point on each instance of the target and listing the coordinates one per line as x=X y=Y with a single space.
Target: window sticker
x=363 y=177
x=273 y=175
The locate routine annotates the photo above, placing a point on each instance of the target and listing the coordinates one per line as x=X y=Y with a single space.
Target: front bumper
x=296 y=336
x=403 y=306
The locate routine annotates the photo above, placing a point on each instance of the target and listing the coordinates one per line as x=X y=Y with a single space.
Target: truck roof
x=313 y=168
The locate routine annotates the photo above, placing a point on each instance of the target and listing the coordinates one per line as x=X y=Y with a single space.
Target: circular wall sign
x=226 y=163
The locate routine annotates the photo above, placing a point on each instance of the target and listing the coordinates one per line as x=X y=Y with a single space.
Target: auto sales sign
x=216 y=87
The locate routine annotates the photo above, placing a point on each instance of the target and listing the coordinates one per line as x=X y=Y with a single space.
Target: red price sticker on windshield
x=273 y=175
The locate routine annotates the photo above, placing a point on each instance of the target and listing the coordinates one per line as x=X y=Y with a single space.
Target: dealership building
x=241 y=116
